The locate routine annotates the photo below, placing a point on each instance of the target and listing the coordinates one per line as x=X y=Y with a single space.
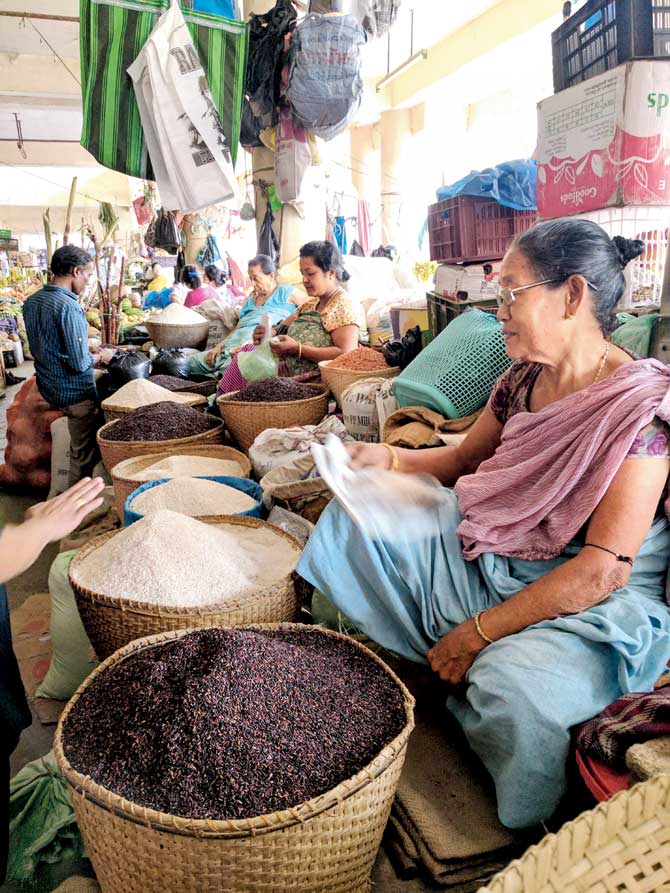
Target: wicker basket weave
x=325 y=845
x=111 y=623
x=115 y=451
x=113 y=412
x=338 y=380
x=124 y=484
x=166 y=335
x=621 y=846
x=246 y=421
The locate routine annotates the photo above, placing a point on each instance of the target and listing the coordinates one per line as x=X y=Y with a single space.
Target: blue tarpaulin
x=512 y=183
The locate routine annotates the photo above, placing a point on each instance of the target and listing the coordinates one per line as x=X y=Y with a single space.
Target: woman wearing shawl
x=543 y=598
x=324 y=327
x=279 y=301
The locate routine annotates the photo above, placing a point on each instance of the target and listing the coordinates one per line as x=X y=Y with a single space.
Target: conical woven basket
x=115 y=451
x=124 y=484
x=338 y=380
x=246 y=421
x=113 y=412
x=621 y=846
x=111 y=623
x=324 y=845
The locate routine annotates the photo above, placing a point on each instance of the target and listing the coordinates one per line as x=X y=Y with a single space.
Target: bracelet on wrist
x=478 y=626
x=395 y=459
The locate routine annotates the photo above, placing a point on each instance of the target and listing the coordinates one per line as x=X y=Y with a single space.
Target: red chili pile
x=363 y=359
x=231 y=724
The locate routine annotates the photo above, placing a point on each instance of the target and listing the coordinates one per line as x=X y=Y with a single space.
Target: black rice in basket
x=275 y=390
x=171 y=382
x=231 y=724
x=160 y=421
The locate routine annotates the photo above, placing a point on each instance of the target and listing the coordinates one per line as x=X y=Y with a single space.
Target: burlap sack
x=414 y=427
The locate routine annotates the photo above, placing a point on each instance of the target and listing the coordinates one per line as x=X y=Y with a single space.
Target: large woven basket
x=113 y=412
x=112 y=623
x=338 y=380
x=115 y=451
x=324 y=845
x=246 y=421
x=124 y=484
x=166 y=335
x=621 y=845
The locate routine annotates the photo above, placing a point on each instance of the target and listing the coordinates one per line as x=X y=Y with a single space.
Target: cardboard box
x=606 y=142
x=406 y=316
x=474 y=282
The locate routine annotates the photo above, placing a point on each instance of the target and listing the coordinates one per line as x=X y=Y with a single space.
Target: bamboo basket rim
x=320 y=392
x=594 y=829
x=86 y=787
x=119 y=473
x=197 y=400
x=162 y=443
x=177 y=325
x=367 y=373
x=133 y=606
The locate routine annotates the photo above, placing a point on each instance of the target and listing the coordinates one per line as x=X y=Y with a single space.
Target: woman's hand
x=212 y=356
x=259 y=334
x=60 y=516
x=285 y=347
x=369 y=455
x=455 y=653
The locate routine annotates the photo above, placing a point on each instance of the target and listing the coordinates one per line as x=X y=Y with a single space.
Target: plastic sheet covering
x=375 y=499
x=325 y=86
x=512 y=183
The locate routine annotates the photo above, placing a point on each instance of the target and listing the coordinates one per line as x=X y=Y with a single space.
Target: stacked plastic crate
x=603 y=142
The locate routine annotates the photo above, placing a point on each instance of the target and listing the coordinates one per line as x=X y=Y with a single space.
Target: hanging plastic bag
x=376 y=16
x=375 y=499
x=259 y=364
x=293 y=157
x=181 y=124
x=325 y=86
x=267 y=241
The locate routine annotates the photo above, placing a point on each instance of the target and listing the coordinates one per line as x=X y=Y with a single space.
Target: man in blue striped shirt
x=58 y=336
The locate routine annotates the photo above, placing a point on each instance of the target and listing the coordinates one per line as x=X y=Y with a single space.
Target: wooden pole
x=47 y=236
x=68 y=213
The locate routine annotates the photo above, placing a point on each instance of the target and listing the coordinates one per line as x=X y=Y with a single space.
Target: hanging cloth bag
x=181 y=124
x=293 y=157
x=267 y=241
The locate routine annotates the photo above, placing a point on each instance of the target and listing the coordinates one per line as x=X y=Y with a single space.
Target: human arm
x=447 y=463
x=620 y=523
x=74 y=338
x=345 y=338
x=46 y=522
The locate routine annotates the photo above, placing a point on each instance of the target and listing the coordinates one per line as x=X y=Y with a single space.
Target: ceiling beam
x=38 y=15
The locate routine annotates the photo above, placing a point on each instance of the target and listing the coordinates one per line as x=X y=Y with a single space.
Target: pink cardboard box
x=606 y=142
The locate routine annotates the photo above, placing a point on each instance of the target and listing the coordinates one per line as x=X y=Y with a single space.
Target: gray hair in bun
x=558 y=249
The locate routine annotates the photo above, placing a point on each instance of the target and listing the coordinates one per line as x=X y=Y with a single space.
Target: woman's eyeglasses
x=507 y=296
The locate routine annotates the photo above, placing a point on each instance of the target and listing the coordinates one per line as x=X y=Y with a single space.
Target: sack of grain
x=279 y=446
x=28 y=451
x=359 y=409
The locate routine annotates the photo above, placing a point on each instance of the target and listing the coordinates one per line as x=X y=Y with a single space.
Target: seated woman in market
x=542 y=599
x=279 y=301
x=323 y=328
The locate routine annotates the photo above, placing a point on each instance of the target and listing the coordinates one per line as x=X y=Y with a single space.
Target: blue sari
x=525 y=691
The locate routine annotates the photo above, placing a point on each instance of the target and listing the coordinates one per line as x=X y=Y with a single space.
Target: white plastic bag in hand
x=385 y=505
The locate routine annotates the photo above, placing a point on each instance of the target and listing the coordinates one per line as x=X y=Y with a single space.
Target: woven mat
x=444 y=819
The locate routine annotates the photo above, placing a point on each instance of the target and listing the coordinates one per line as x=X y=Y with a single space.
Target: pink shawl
x=553 y=467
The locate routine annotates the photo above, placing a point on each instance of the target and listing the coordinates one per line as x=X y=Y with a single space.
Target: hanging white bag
x=182 y=127
x=293 y=157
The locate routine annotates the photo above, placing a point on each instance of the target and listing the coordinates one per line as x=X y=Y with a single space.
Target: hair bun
x=627 y=249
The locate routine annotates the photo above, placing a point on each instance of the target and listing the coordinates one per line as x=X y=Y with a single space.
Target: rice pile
x=188 y=467
x=140 y=392
x=170 y=559
x=363 y=359
x=234 y=723
x=193 y=497
x=178 y=315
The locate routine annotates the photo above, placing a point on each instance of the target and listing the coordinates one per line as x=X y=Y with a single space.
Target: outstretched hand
x=58 y=517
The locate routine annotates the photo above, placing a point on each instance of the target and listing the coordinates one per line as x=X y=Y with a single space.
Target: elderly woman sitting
x=543 y=598
x=279 y=301
x=324 y=327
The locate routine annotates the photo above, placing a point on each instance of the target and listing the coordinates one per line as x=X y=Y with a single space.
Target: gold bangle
x=300 y=350
x=480 y=631
x=395 y=459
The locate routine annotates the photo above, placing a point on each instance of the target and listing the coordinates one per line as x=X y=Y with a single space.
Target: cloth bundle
x=184 y=134
x=414 y=427
x=443 y=821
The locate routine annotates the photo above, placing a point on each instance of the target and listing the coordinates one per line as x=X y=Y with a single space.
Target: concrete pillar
x=289 y=227
x=396 y=131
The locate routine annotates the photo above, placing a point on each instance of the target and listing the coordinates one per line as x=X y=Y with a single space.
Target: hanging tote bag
x=293 y=157
x=181 y=124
